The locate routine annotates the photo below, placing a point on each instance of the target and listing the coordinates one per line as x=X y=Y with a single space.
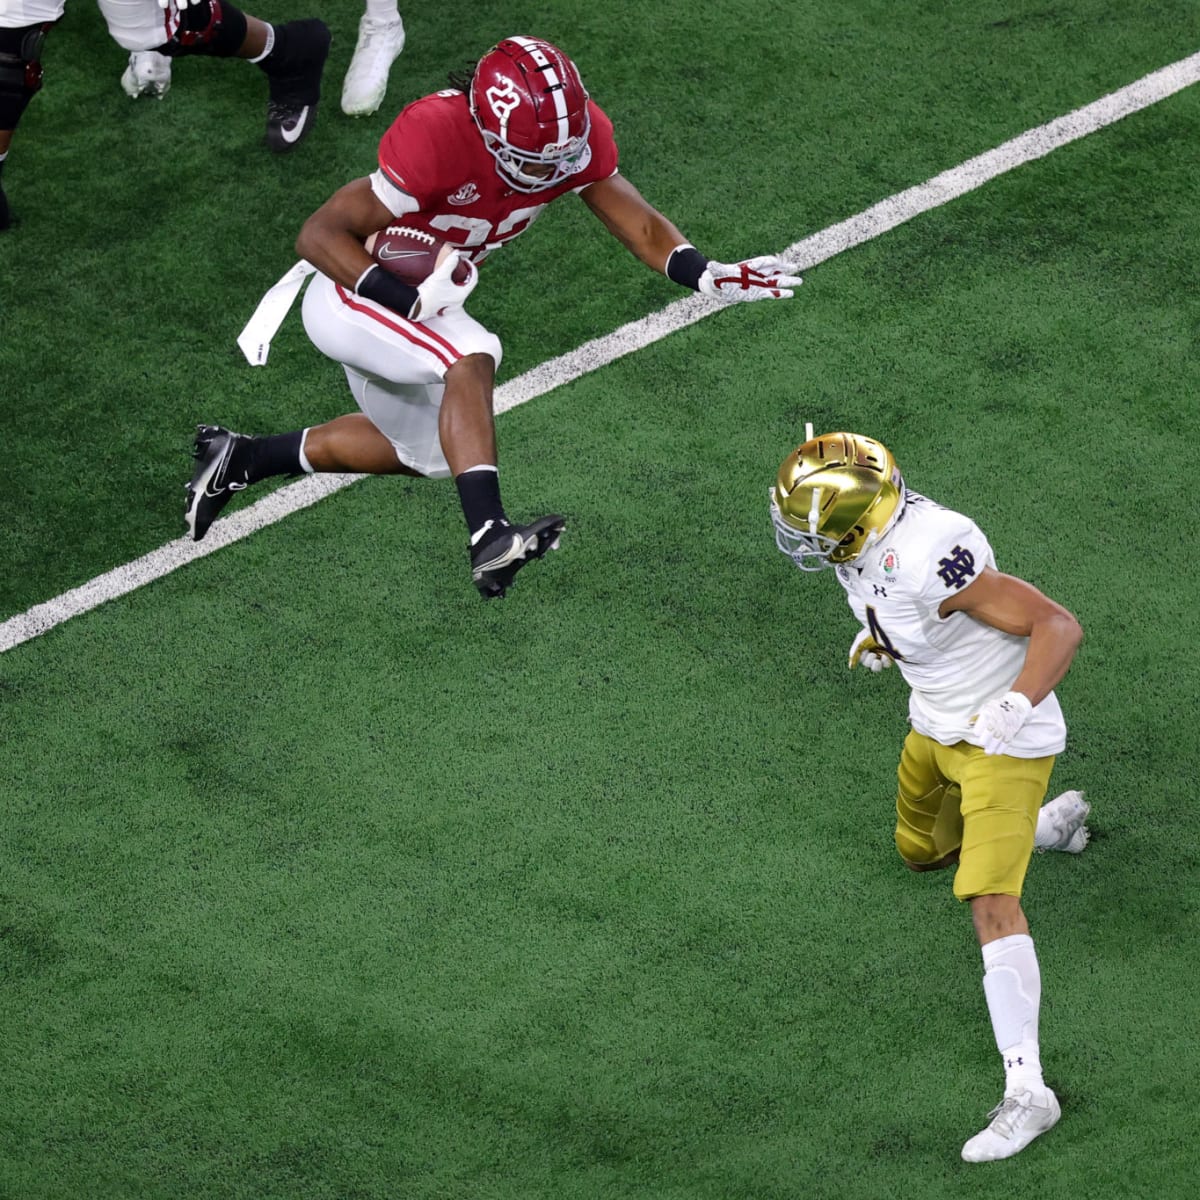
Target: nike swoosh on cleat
x=294 y=133
x=229 y=487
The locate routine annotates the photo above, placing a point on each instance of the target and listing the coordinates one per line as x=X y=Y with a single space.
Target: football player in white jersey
x=982 y=652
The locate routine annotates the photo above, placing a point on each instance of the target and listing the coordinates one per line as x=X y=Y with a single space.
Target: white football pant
x=138 y=24
x=395 y=367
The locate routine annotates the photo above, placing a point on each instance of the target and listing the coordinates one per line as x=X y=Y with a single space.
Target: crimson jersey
x=436 y=174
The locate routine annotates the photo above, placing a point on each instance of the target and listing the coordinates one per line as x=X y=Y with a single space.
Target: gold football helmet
x=835 y=497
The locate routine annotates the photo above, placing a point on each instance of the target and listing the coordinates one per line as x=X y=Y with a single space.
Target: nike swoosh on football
x=290 y=135
x=388 y=254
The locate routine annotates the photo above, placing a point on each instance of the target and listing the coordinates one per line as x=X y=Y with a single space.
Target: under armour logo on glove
x=1000 y=721
x=762 y=278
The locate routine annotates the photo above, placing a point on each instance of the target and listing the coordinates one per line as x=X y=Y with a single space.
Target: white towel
x=255 y=339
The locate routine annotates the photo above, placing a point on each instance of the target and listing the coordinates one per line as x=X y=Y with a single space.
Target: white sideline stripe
x=808 y=252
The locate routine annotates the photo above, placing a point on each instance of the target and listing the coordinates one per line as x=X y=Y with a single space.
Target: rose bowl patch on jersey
x=411 y=254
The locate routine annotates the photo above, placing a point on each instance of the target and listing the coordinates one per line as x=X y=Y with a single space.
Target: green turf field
x=321 y=879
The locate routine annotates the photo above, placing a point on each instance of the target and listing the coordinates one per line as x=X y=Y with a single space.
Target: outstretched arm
x=644 y=231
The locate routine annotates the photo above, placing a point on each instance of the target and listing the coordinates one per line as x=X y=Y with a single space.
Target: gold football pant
x=987 y=804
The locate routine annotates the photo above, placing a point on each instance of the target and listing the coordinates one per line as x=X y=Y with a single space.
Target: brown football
x=410 y=254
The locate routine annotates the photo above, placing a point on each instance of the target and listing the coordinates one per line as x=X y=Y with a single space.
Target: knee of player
x=489 y=349
x=918 y=855
x=478 y=368
x=915 y=855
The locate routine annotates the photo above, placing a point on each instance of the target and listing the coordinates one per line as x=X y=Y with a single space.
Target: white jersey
x=16 y=14
x=955 y=664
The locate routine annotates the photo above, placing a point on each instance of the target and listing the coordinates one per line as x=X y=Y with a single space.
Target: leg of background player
x=380 y=40
x=292 y=55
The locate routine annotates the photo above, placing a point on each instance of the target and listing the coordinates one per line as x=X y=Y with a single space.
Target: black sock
x=278 y=454
x=295 y=46
x=479 y=492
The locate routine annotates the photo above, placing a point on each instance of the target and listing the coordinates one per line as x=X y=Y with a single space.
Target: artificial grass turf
x=322 y=878
x=173 y=219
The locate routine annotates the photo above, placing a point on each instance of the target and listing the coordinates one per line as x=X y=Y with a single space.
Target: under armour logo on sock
x=1014 y=1062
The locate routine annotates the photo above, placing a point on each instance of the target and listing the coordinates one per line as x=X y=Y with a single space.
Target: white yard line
x=881 y=217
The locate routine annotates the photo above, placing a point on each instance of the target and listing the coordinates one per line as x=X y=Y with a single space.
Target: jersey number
x=881 y=638
x=475 y=231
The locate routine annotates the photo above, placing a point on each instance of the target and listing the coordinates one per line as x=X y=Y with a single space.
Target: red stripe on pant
x=409 y=330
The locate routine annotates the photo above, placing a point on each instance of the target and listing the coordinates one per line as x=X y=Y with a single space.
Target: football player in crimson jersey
x=981 y=652
x=475 y=166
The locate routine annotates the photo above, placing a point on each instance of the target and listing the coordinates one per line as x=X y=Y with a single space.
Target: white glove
x=865 y=651
x=762 y=278
x=439 y=293
x=1000 y=721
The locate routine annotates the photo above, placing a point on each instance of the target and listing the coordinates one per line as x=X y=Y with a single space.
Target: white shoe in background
x=148 y=74
x=378 y=45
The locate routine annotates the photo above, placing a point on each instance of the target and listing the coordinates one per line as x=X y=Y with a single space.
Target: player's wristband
x=377 y=284
x=685 y=265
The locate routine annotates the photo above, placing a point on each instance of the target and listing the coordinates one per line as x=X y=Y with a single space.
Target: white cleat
x=1016 y=1121
x=148 y=74
x=1061 y=825
x=379 y=43
x=1078 y=840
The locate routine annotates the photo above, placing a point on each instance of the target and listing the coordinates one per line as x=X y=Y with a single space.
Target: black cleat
x=221 y=472
x=505 y=549
x=294 y=72
x=5 y=215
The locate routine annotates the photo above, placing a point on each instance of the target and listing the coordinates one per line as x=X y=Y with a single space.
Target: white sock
x=268 y=45
x=1012 y=984
x=383 y=12
x=308 y=467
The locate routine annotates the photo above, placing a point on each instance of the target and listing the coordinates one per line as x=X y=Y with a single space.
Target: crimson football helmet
x=531 y=107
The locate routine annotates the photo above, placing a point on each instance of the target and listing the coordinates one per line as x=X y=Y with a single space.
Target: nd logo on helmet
x=503 y=99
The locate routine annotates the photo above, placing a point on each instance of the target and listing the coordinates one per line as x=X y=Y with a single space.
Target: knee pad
x=220 y=37
x=920 y=851
x=20 y=70
x=917 y=819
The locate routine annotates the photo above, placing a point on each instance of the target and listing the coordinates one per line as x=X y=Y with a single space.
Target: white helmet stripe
x=552 y=82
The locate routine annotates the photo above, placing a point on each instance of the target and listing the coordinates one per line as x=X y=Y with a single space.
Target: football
x=412 y=255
